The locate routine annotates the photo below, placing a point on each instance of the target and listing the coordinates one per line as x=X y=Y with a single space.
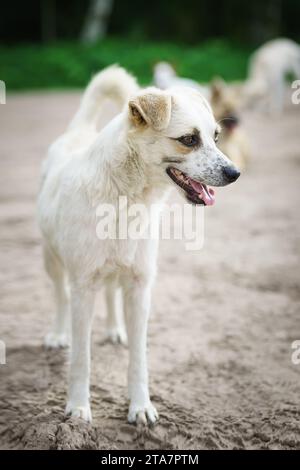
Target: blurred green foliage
x=71 y=65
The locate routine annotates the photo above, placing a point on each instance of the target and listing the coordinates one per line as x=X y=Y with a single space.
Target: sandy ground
x=222 y=323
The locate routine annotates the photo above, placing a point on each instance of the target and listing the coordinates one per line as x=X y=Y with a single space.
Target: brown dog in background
x=233 y=140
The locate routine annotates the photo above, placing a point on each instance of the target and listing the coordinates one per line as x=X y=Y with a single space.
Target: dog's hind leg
x=279 y=96
x=60 y=333
x=115 y=328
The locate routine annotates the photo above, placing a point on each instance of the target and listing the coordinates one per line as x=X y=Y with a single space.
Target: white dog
x=165 y=77
x=160 y=138
x=268 y=68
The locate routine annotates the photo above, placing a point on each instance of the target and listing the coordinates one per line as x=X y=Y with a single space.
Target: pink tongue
x=206 y=194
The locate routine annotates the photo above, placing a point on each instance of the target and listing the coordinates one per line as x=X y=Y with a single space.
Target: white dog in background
x=165 y=77
x=268 y=69
x=161 y=138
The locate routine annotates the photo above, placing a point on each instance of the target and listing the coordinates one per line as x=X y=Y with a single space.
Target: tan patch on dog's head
x=151 y=108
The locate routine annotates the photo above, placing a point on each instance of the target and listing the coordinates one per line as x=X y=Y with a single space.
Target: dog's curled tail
x=114 y=83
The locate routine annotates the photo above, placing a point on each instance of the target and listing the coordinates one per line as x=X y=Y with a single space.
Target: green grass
x=71 y=65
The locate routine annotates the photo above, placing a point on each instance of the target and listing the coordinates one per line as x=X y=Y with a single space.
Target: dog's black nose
x=231 y=173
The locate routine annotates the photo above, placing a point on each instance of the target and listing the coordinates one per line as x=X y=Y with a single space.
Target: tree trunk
x=96 y=22
x=267 y=24
x=48 y=20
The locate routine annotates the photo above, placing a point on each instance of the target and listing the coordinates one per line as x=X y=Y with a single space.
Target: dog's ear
x=152 y=108
x=217 y=88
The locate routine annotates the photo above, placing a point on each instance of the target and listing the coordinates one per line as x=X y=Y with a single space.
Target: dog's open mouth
x=196 y=192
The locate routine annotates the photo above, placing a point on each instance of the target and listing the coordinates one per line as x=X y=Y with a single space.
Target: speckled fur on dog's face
x=175 y=130
x=191 y=115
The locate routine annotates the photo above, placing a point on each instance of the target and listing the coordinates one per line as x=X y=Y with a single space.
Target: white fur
x=267 y=72
x=85 y=168
x=165 y=77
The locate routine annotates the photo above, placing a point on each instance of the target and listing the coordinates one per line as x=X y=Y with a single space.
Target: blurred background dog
x=269 y=68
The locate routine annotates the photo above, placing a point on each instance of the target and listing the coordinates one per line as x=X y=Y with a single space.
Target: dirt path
x=222 y=322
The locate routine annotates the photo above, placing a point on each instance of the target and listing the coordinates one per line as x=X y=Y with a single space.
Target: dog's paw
x=117 y=336
x=142 y=415
x=78 y=411
x=54 y=341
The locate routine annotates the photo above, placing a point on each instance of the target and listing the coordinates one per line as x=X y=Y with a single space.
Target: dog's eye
x=190 y=140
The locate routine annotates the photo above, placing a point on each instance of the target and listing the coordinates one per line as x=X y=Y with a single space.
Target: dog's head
x=225 y=102
x=176 y=134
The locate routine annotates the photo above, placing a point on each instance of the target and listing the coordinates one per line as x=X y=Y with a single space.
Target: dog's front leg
x=78 y=405
x=137 y=306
